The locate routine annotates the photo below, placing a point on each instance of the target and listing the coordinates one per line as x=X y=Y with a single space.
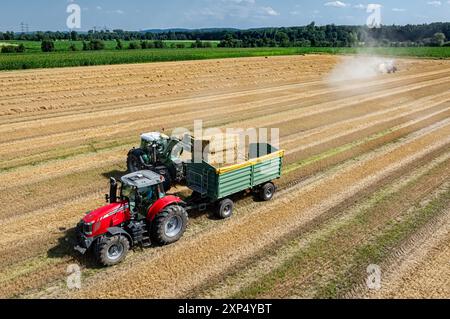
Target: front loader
x=161 y=154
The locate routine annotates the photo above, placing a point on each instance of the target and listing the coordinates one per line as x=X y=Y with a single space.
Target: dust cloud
x=359 y=67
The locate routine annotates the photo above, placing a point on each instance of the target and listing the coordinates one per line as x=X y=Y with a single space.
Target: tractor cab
x=155 y=140
x=141 y=189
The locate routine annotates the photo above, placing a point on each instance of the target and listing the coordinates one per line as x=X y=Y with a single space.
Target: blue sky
x=146 y=14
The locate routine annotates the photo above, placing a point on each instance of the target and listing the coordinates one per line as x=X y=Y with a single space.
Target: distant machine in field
x=387 y=67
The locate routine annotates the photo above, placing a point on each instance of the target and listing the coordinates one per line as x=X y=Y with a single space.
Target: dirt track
x=63 y=132
x=422 y=271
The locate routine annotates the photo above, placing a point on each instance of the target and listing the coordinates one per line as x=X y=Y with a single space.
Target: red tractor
x=139 y=215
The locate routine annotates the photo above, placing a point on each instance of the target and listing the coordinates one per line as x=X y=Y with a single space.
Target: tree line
x=435 y=34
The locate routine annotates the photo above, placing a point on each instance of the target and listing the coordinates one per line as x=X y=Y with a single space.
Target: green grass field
x=33 y=58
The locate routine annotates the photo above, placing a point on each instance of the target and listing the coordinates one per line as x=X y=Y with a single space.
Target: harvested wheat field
x=366 y=178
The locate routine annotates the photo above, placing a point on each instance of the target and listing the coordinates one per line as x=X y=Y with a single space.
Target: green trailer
x=212 y=184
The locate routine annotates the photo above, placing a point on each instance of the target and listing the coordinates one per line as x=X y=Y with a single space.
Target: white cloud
x=398 y=10
x=360 y=6
x=98 y=8
x=373 y=6
x=337 y=4
x=434 y=3
x=269 y=11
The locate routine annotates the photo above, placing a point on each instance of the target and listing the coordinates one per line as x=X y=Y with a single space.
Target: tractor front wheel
x=169 y=225
x=134 y=163
x=111 y=251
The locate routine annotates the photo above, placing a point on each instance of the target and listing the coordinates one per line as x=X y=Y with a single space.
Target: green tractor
x=161 y=154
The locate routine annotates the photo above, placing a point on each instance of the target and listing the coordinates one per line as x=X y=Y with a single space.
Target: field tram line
x=407 y=257
x=387 y=141
x=200 y=240
x=385 y=118
x=291 y=85
x=258 y=266
x=429 y=192
x=402 y=133
x=248 y=201
x=318 y=130
x=347 y=88
x=323 y=129
x=287 y=80
x=430 y=279
x=141 y=76
x=356 y=143
x=307 y=285
x=396 y=251
x=247 y=204
x=64 y=105
x=430 y=119
x=142 y=70
x=107 y=115
x=433 y=100
x=138 y=87
x=71 y=141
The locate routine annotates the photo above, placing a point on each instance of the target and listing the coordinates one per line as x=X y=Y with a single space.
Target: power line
x=24 y=27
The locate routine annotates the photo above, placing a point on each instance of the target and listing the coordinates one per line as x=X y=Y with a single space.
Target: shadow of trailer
x=215 y=185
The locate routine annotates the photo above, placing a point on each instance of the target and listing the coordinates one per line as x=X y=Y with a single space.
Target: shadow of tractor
x=65 y=248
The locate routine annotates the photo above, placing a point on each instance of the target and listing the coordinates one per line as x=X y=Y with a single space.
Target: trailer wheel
x=225 y=209
x=267 y=191
x=169 y=225
x=112 y=250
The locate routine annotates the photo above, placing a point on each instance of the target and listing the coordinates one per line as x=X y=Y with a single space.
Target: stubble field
x=366 y=178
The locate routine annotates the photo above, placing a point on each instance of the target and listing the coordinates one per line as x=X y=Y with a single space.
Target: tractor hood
x=105 y=212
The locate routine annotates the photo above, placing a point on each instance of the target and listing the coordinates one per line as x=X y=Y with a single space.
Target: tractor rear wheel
x=169 y=225
x=267 y=191
x=225 y=208
x=111 y=251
